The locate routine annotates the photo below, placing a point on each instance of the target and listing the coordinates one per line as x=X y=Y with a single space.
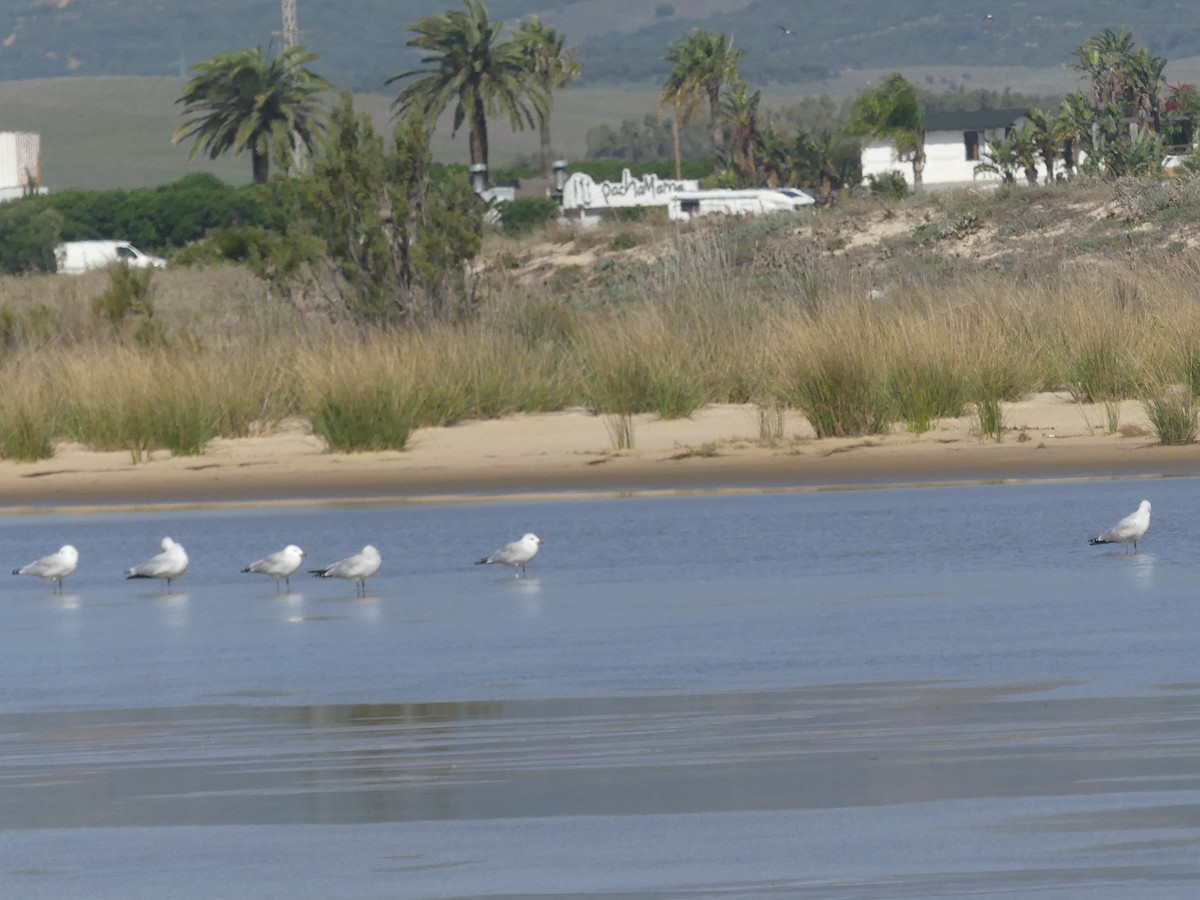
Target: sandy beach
x=1048 y=436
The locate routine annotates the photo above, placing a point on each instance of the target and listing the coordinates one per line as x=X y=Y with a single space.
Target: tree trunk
x=675 y=135
x=479 y=137
x=544 y=128
x=918 y=164
x=718 y=127
x=260 y=163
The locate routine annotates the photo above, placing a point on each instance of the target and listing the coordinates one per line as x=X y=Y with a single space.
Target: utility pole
x=291 y=32
x=291 y=37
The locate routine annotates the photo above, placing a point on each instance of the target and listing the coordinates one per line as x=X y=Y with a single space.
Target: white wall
x=946 y=160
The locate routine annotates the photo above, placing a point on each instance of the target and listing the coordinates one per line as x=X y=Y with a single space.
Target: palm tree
x=1025 y=151
x=249 y=100
x=1103 y=58
x=551 y=66
x=701 y=63
x=999 y=158
x=1144 y=78
x=472 y=65
x=739 y=114
x=680 y=96
x=892 y=112
x=1049 y=135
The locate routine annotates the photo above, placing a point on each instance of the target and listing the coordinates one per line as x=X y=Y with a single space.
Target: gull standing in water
x=167 y=566
x=518 y=554
x=54 y=567
x=279 y=565
x=357 y=568
x=1129 y=530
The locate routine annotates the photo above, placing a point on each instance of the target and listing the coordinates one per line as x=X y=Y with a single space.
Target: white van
x=74 y=257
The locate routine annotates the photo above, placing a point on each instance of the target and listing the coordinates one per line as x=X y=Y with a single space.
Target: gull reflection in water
x=1143 y=570
x=65 y=601
x=176 y=607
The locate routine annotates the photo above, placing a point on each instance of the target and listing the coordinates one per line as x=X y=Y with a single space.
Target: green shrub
x=888 y=185
x=128 y=294
x=524 y=214
x=28 y=235
x=625 y=240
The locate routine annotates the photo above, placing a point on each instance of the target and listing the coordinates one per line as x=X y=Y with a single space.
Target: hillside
x=362 y=42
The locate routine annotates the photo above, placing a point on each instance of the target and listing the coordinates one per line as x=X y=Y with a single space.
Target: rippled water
x=878 y=693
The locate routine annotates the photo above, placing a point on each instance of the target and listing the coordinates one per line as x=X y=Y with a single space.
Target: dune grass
x=732 y=312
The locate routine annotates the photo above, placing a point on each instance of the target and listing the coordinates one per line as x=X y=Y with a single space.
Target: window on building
x=971 y=139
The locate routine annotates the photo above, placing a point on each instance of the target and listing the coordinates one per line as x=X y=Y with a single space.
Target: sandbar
x=570 y=454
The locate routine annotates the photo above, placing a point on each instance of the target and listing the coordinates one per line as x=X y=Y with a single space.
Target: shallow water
x=878 y=693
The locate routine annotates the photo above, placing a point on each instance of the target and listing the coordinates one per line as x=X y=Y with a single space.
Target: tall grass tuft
x=28 y=425
x=364 y=417
x=770 y=422
x=1173 y=413
x=924 y=390
x=839 y=395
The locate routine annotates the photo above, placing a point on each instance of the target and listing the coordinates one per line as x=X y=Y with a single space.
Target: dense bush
x=28 y=236
x=524 y=214
x=888 y=185
x=164 y=217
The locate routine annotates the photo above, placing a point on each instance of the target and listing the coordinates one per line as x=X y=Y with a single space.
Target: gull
x=517 y=554
x=357 y=568
x=167 y=566
x=54 y=567
x=1129 y=530
x=279 y=565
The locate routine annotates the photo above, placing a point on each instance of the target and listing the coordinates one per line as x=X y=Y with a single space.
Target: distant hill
x=362 y=42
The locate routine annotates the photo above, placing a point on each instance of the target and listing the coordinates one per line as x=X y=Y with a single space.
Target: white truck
x=75 y=257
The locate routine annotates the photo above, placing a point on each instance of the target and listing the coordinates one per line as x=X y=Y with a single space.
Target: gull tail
x=320 y=573
x=483 y=562
x=135 y=575
x=1098 y=540
x=247 y=569
x=16 y=571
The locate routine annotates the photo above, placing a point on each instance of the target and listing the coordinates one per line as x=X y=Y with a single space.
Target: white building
x=954 y=146
x=20 y=163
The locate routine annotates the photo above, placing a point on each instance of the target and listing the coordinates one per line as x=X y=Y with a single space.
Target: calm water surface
x=882 y=693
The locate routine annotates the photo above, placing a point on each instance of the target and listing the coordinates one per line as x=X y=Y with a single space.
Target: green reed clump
x=675 y=395
x=924 y=390
x=1173 y=413
x=369 y=417
x=840 y=395
x=1190 y=369
x=26 y=434
x=1097 y=369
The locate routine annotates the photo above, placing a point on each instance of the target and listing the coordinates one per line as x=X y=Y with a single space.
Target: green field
x=116 y=132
